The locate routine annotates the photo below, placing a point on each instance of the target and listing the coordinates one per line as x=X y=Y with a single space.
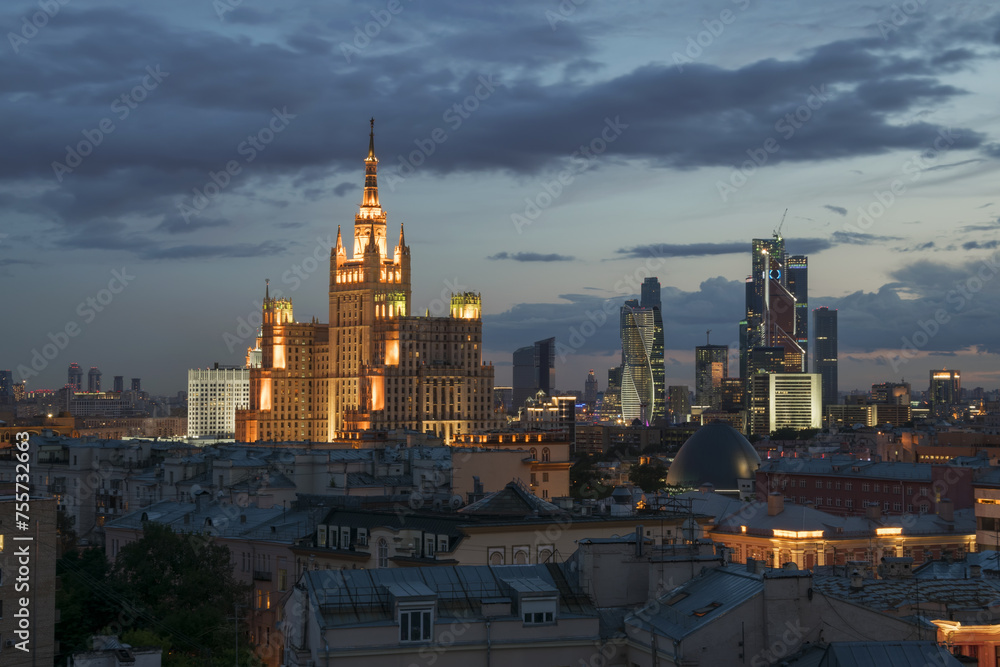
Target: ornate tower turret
x=370 y=220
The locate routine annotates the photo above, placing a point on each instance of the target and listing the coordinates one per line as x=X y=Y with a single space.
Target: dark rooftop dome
x=715 y=453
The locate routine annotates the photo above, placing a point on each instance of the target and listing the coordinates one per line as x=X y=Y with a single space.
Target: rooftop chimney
x=857 y=582
x=873 y=511
x=975 y=571
x=946 y=509
x=775 y=504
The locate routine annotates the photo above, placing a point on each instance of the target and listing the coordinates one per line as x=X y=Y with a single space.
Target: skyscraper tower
x=825 y=352
x=798 y=284
x=590 y=390
x=119 y=384
x=642 y=387
x=75 y=377
x=136 y=384
x=534 y=371
x=711 y=365
x=94 y=379
x=374 y=366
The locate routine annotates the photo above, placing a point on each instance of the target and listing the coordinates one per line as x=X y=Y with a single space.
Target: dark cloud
x=839 y=210
x=532 y=257
x=342 y=189
x=684 y=249
x=852 y=238
x=237 y=250
x=981 y=245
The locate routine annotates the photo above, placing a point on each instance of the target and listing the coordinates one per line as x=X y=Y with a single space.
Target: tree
x=650 y=477
x=184 y=590
x=585 y=481
x=83 y=608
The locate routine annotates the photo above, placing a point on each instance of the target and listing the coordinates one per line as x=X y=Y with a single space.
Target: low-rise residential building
x=849 y=486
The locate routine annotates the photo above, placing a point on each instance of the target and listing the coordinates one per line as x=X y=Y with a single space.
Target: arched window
x=383 y=553
x=496 y=558
x=545 y=455
x=533 y=452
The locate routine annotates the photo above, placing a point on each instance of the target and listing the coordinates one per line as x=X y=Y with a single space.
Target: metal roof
x=887 y=654
x=698 y=602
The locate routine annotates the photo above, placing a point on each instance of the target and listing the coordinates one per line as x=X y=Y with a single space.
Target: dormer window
x=538 y=612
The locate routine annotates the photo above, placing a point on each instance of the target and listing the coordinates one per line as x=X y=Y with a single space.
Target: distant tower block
x=136 y=384
x=94 y=379
x=119 y=384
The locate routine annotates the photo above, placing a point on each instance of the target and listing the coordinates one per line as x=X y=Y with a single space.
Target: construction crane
x=777 y=232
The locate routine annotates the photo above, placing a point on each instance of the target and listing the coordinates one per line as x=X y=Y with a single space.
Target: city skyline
x=147 y=197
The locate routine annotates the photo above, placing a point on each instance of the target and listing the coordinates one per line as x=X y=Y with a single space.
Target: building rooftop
x=698 y=602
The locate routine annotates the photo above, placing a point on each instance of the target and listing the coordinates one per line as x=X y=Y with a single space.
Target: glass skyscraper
x=643 y=378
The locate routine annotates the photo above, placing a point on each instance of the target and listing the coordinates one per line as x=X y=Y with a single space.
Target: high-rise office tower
x=679 y=401
x=825 y=352
x=94 y=379
x=944 y=391
x=534 y=371
x=136 y=384
x=75 y=377
x=590 y=390
x=374 y=366
x=711 y=365
x=119 y=384
x=649 y=297
x=642 y=387
x=798 y=284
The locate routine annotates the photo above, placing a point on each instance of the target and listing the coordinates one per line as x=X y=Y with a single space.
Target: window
x=849 y=503
x=415 y=626
x=802 y=484
x=876 y=488
x=864 y=487
x=536 y=617
x=545 y=476
x=819 y=485
x=545 y=455
x=848 y=486
x=382 y=553
x=829 y=485
x=897 y=507
x=837 y=486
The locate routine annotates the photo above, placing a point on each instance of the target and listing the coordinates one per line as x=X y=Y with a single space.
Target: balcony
x=260 y=575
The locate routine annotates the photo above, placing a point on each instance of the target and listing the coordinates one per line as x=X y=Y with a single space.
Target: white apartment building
x=214 y=395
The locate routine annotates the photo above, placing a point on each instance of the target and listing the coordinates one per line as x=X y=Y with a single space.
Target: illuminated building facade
x=214 y=395
x=797 y=270
x=641 y=395
x=374 y=366
x=785 y=400
x=711 y=365
x=945 y=390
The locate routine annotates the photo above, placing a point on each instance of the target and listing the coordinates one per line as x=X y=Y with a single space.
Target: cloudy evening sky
x=592 y=144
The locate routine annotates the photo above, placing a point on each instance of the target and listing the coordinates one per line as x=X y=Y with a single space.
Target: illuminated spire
x=370 y=199
x=267 y=289
x=340 y=243
x=402 y=243
x=371 y=142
